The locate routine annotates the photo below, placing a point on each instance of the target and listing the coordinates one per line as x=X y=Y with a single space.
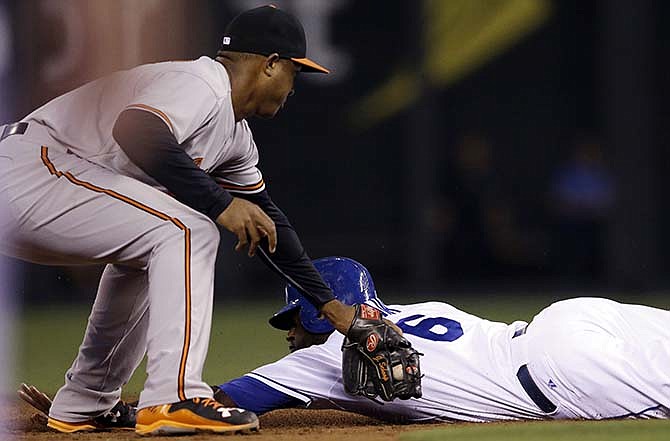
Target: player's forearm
x=148 y=142
x=339 y=315
x=290 y=256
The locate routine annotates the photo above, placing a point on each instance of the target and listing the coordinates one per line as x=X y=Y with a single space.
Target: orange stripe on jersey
x=229 y=186
x=155 y=111
x=187 y=254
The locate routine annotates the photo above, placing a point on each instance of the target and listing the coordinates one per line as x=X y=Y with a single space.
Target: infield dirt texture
x=289 y=425
x=242 y=340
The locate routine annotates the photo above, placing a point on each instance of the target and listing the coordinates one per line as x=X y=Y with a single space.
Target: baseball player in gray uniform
x=135 y=171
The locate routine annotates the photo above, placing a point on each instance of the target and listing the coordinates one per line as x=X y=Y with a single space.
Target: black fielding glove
x=377 y=361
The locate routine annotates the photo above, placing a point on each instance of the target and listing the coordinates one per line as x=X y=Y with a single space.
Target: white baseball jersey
x=74 y=197
x=593 y=358
x=191 y=97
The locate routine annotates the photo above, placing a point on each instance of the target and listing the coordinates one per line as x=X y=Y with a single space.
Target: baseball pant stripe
x=187 y=258
x=187 y=318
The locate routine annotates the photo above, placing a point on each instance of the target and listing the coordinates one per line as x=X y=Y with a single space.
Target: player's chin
x=270 y=112
x=267 y=115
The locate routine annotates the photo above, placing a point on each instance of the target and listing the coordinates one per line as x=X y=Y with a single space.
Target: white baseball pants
x=595 y=359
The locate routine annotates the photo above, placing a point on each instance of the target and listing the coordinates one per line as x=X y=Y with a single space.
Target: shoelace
x=208 y=402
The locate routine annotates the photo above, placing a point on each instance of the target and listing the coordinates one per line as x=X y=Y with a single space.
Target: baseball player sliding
x=135 y=171
x=584 y=358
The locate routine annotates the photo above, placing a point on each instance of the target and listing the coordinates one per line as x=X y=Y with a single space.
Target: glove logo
x=372 y=342
x=382 y=367
x=369 y=313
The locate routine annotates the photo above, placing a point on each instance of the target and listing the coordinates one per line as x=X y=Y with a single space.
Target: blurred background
x=458 y=144
x=460 y=147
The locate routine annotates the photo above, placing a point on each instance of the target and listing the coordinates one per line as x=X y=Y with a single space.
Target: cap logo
x=265 y=30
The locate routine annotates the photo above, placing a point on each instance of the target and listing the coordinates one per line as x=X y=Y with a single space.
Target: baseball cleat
x=194 y=415
x=65 y=427
x=121 y=416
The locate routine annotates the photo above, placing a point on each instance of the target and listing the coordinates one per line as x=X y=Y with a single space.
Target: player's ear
x=271 y=64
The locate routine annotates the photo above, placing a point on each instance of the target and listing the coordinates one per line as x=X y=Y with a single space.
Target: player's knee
x=201 y=234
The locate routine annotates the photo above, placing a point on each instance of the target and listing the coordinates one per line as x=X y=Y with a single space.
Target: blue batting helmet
x=351 y=283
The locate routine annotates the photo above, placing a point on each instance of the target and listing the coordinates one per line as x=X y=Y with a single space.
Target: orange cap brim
x=310 y=65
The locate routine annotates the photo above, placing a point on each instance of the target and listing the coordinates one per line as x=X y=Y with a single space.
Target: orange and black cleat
x=121 y=417
x=192 y=416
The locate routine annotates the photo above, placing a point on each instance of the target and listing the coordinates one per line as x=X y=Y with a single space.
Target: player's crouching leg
x=175 y=400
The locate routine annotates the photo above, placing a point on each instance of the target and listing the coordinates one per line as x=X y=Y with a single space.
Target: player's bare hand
x=250 y=224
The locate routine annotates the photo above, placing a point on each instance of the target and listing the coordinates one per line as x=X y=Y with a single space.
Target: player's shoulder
x=418 y=307
x=204 y=71
x=430 y=309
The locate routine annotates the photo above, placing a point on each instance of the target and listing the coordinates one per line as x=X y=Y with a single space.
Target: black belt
x=14 y=129
x=533 y=391
x=529 y=385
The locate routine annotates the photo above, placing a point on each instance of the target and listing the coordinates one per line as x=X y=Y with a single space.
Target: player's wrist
x=338 y=314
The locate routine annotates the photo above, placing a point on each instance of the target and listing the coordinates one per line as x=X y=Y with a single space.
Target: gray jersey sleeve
x=240 y=174
x=182 y=100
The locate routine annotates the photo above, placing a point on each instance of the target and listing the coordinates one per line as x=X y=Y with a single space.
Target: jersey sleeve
x=260 y=395
x=240 y=174
x=182 y=100
x=297 y=379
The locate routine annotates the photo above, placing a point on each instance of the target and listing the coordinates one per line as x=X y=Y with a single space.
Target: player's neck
x=240 y=92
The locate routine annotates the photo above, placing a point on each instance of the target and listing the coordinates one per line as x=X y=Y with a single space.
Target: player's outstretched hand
x=249 y=223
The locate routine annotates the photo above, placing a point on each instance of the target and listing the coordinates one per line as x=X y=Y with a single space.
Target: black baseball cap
x=267 y=30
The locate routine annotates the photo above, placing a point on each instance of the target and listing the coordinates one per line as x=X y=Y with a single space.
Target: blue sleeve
x=259 y=397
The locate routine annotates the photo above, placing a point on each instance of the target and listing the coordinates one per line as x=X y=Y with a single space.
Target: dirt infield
x=282 y=425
